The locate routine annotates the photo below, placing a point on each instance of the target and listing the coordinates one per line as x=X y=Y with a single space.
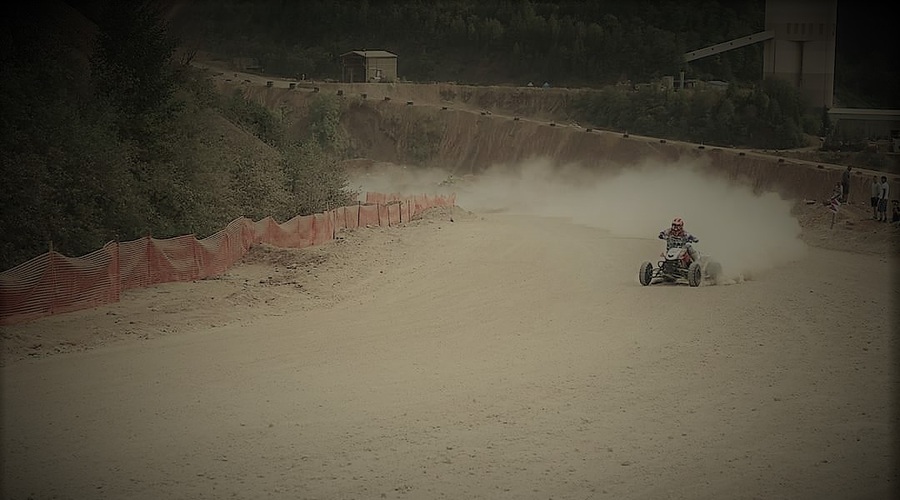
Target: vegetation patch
x=121 y=140
x=769 y=115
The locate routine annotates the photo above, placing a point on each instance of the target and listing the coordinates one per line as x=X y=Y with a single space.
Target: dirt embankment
x=466 y=131
x=469 y=143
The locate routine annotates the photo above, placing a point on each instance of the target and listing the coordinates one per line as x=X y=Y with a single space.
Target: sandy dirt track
x=495 y=356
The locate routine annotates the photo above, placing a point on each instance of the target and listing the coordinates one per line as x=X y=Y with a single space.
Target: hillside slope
x=465 y=130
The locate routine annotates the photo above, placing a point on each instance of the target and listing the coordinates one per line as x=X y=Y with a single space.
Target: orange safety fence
x=53 y=283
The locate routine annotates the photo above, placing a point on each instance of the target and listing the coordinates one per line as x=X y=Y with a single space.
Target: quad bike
x=677 y=266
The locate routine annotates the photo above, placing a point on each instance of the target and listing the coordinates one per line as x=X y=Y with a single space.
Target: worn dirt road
x=495 y=356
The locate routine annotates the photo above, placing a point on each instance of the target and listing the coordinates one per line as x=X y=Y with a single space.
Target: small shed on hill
x=359 y=66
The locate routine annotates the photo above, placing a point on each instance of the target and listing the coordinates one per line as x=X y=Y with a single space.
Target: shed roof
x=370 y=53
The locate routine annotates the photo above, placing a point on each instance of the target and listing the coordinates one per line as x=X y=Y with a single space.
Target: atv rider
x=676 y=236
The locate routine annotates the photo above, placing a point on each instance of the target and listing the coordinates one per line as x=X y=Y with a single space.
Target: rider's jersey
x=673 y=241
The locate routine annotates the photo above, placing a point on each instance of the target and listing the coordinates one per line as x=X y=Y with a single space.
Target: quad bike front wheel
x=646 y=273
x=694 y=274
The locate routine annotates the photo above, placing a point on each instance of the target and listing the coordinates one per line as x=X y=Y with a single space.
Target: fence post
x=53 y=284
x=117 y=270
x=148 y=256
x=330 y=213
x=248 y=235
x=358 y=212
x=229 y=258
x=194 y=245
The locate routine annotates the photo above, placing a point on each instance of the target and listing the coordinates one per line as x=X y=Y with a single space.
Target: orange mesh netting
x=382 y=199
x=53 y=283
x=368 y=216
x=346 y=217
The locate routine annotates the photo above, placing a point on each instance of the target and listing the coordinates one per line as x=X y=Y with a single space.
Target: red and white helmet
x=677 y=224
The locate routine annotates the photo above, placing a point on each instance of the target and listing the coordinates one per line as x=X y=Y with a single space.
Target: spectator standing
x=845 y=185
x=883 y=199
x=876 y=194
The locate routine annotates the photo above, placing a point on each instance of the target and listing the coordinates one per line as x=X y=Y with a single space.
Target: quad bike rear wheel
x=694 y=274
x=646 y=273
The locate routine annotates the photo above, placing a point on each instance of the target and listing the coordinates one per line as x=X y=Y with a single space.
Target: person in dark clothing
x=845 y=185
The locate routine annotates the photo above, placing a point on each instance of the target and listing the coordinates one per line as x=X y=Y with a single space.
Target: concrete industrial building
x=799 y=47
x=801 y=50
x=799 y=44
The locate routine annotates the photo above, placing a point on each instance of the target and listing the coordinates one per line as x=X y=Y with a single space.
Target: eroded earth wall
x=466 y=130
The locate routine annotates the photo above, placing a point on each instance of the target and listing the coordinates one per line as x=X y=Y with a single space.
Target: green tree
x=253 y=117
x=66 y=175
x=132 y=67
x=325 y=123
x=316 y=181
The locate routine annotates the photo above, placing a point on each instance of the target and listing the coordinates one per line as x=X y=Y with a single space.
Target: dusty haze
x=745 y=232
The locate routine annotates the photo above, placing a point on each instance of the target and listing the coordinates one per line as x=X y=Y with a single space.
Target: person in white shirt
x=883 y=199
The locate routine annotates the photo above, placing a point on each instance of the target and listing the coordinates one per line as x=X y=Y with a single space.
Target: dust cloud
x=747 y=233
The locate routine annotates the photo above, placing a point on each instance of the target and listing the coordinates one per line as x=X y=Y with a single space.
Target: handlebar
x=692 y=239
